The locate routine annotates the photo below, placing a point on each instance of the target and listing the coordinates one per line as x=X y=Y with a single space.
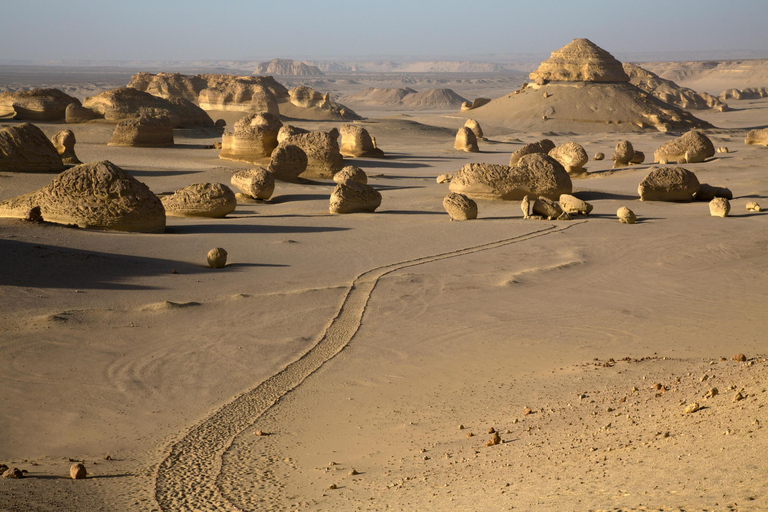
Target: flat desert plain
x=363 y=361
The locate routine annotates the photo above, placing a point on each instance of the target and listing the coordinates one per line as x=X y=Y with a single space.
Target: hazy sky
x=42 y=30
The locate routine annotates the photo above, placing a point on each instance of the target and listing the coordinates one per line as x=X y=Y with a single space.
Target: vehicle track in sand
x=187 y=478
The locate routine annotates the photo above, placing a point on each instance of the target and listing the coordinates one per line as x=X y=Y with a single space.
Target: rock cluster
x=626 y=216
x=719 y=207
x=126 y=103
x=542 y=208
x=669 y=92
x=25 y=148
x=201 y=200
x=143 y=132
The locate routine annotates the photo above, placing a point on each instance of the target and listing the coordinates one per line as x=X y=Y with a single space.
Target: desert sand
x=341 y=362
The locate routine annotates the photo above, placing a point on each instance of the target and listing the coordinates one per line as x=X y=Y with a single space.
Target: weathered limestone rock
x=351 y=173
x=97 y=195
x=626 y=216
x=669 y=184
x=444 y=178
x=752 y=206
x=288 y=162
x=306 y=97
x=15 y=473
x=719 y=207
x=356 y=141
x=623 y=154
x=127 y=103
x=287 y=130
x=217 y=258
x=722 y=149
x=36 y=104
x=460 y=207
x=322 y=149
x=708 y=192
x=757 y=137
x=200 y=200
x=254 y=137
x=77 y=472
x=694 y=147
x=475 y=127
x=76 y=113
x=543 y=146
x=669 y=92
x=64 y=142
x=143 y=132
x=571 y=156
x=466 y=140
x=287 y=67
x=257 y=183
x=580 y=61
x=638 y=159
x=599 y=156
x=25 y=148
x=352 y=196
x=542 y=207
x=573 y=205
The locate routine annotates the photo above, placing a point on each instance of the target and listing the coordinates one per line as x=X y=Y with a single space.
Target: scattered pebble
x=738 y=397
x=712 y=392
x=527 y=411
x=470 y=434
x=739 y=357
x=691 y=408
x=13 y=473
x=332 y=487
x=491 y=430
x=496 y=439
x=353 y=472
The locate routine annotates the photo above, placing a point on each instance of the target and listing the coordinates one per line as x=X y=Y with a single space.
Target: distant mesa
x=581 y=60
x=669 y=92
x=286 y=67
x=36 y=104
x=750 y=93
x=406 y=99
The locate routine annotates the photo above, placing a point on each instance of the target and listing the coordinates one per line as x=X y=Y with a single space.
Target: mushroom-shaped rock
x=64 y=142
x=220 y=123
x=669 y=184
x=201 y=200
x=571 y=156
x=693 y=147
x=254 y=137
x=581 y=60
x=599 y=156
x=77 y=471
x=719 y=207
x=25 y=148
x=287 y=130
x=288 y=162
x=573 y=205
x=356 y=141
x=143 y=132
x=757 y=137
x=475 y=127
x=466 y=140
x=257 y=183
x=542 y=146
x=217 y=258
x=623 y=154
x=460 y=207
x=626 y=216
x=352 y=196
x=97 y=195
x=76 y=113
x=322 y=149
x=352 y=173
x=36 y=104
x=708 y=192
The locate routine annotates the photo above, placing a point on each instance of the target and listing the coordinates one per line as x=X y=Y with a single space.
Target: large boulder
x=25 y=148
x=356 y=141
x=323 y=156
x=96 y=195
x=288 y=162
x=143 y=132
x=254 y=137
x=571 y=156
x=36 y=104
x=581 y=60
x=125 y=103
x=257 y=183
x=466 y=140
x=201 y=200
x=542 y=146
x=64 y=142
x=757 y=137
x=669 y=184
x=692 y=147
x=352 y=196
x=460 y=207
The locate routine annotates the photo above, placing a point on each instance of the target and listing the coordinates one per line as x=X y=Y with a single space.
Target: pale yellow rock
x=543 y=146
x=357 y=142
x=669 y=184
x=623 y=154
x=257 y=183
x=322 y=149
x=127 y=103
x=460 y=207
x=288 y=162
x=580 y=61
x=288 y=130
x=143 y=132
x=76 y=113
x=351 y=173
x=571 y=156
x=444 y=178
x=201 y=200
x=719 y=207
x=475 y=127
x=693 y=146
x=752 y=206
x=64 y=142
x=352 y=197
x=254 y=137
x=626 y=216
x=574 y=205
x=466 y=140
x=757 y=137
x=722 y=149
x=217 y=258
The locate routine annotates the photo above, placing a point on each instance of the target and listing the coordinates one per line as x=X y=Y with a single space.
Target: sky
x=176 y=30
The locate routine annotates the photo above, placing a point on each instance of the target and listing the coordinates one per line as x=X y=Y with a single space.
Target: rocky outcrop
x=692 y=147
x=357 y=142
x=306 y=102
x=254 y=138
x=465 y=141
x=25 y=148
x=322 y=150
x=750 y=93
x=286 y=67
x=201 y=200
x=460 y=207
x=123 y=103
x=36 y=104
x=352 y=196
x=669 y=184
x=351 y=173
x=143 y=132
x=669 y=92
x=64 y=142
x=581 y=60
x=757 y=137
x=542 y=208
x=96 y=195
x=256 y=183
x=542 y=146
x=571 y=156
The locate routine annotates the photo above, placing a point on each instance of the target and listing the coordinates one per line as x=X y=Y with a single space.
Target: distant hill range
x=459 y=66
x=406 y=98
x=286 y=67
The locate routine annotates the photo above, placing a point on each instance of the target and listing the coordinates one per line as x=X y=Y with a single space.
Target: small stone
x=261 y=433
x=217 y=145
x=217 y=258
x=626 y=216
x=332 y=487
x=722 y=149
x=719 y=207
x=738 y=397
x=599 y=156
x=739 y=357
x=491 y=430
x=527 y=411
x=107 y=457
x=445 y=178
x=13 y=473
x=753 y=207
x=470 y=434
x=353 y=472
x=496 y=439
x=704 y=378
x=711 y=393
x=77 y=471
x=691 y=408
x=461 y=427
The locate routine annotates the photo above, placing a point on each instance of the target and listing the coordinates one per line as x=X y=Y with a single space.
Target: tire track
x=187 y=478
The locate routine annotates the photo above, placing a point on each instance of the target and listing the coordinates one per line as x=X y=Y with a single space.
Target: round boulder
x=460 y=207
x=719 y=207
x=288 y=162
x=571 y=156
x=217 y=258
x=351 y=173
x=77 y=471
x=352 y=196
x=626 y=216
x=692 y=147
x=257 y=183
x=475 y=127
x=668 y=184
x=623 y=154
x=201 y=200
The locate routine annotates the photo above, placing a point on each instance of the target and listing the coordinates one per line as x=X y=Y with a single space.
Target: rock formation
x=25 y=148
x=693 y=147
x=637 y=158
x=477 y=103
x=217 y=258
x=76 y=113
x=626 y=216
x=750 y=93
x=351 y=173
x=126 y=103
x=143 y=132
x=460 y=207
x=357 y=142
x=719 y=207
x=201 y=200
x=543 y=146
x=571 y=156
x=757 y=137
x=254 y=137
x=287 y=130
x=288 y=162
x=97 y=195
x=286 y=67
x=36 y=104
x=573 y=205
x=322 y=149
x=64 y=142
x=580 y=61
x=668 y=184
x=669 y=92
x=599 y=156
x=256 y=183
x=542 y=208
x=475 y=127
x=352 y=196
x=752 y=206
x=623 y=154
x=465 y=141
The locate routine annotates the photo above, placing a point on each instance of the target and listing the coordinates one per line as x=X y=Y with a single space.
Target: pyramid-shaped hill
x=583 y=88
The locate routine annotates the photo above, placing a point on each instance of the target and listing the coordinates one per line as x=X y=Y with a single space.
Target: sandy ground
x=363 y=342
